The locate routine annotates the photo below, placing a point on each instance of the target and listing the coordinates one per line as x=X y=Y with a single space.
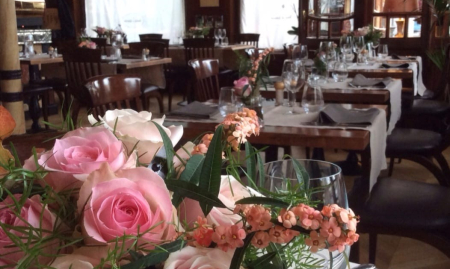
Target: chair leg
x=160 y=102
x=145 y=102
x=45 y=101
x=444 y=166
x=372 y=247
x=170 y=93
x=391 y=166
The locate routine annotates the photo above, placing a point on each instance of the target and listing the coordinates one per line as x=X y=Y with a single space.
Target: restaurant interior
x=362 y=86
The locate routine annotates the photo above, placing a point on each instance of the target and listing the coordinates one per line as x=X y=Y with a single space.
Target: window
x=271 y=19
x=398 y=18
x=137 y=17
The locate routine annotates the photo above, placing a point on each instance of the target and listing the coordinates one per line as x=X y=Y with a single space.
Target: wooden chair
x=249 y=39
x=109 y=92
x=101 y=44
x=207 y=79
x=198 y=48
x=80 y=65
x=158 y=48
x=149 y=37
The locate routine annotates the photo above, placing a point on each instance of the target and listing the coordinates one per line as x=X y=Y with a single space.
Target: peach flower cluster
x=238 y=126
x=87 y=44
x=256 y=62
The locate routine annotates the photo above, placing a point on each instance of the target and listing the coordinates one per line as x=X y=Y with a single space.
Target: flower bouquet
x=118 y=195
x=369 y=33
x=198 y=31
x=102 y=32
x=88 y=44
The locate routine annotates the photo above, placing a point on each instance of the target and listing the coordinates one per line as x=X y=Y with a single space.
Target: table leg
x=35 y=113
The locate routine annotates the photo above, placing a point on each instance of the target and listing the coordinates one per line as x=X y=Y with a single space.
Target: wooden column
x=10 y=73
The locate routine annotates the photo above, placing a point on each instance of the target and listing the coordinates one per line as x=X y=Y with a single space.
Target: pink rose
x=129 y=202
x=92 y=45
x=133 y=127
x=80 y=152
x=194 y=258
x=82 y=258
x=239 y=87
x=33 y=213
x=230 y=192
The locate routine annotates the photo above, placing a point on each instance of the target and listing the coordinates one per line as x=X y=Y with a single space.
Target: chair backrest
x=198 y=48
x=157 y=48
x=249 y=39
x=206 y=78
x=64 y=45
x=147 y=37
x=101 y=43
x=80 y=65
x=109 y=92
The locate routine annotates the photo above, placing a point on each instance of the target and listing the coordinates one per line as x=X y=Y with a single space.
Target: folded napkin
x=385 y=65
x=336 y=113
x=397 y=57
x=195 y=109
x=361 y=81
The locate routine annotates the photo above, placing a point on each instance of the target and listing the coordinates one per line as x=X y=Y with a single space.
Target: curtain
x=271 y=19
x=137 y=17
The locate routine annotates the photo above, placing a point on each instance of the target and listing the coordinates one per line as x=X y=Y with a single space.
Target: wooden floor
x=393 y=252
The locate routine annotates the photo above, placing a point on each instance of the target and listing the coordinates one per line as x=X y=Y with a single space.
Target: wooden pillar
x=10 y=73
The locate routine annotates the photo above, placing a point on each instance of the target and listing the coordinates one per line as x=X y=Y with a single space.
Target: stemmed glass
x=217 y=36
x=221 y=35
x=375 y=44
x=359 y=46
x=227 y=102
x=287 y=67
x=346 y=43
x=303 y=54
x=293 y=81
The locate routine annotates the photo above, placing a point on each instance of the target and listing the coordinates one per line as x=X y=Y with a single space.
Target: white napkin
x=394 y=88
x=378 y=135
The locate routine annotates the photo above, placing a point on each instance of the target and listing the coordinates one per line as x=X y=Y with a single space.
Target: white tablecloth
x=277 y=116
x=394 y=88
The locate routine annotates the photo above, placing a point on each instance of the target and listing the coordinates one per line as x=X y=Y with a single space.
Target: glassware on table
x=294 y=81
x=28 y=46
x=227 y=101
x=217 y=36
x=312 y=99
x=303 y=54
x=340 y=72
x=287 y=67
x=371 y=51
x=359 y=46
x=225 y=41
x=375 y=45
x=116 y=42
x=383 y=51
x=221 y=35
x=325 y=177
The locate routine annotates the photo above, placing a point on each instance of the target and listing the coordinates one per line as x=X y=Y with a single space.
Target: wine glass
x=287 y=67
x=312 y=99
x=383 y=51
x=217 y=36
x=227 y=102
x=359 y=44
x=375 y=45
x=224 y=33
x=293 y=81
x=303 y=54
x=221 y=35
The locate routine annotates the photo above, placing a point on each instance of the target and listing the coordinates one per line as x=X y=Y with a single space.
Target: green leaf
x=210 y=175
x=168 y=147
x=190 y=174
x=187 y=189
x=302 y=175
x=240 y=252
x=251 y=162
x=262 y=201
x=156 y=256
x=261 y=172
x=277 y=261
x=193 y=168
x=263 y=261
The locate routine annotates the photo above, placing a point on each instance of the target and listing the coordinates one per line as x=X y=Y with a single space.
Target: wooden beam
x=10 y=72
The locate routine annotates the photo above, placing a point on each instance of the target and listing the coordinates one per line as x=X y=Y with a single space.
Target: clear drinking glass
x=217 y=36
x=294 y=81
x=287 y=67
x=375 y=45
x=312 y=99
x=303 y=53
x=225 y=41
x=340 y=72
x=227 y=102
x=359 y=44
x=383 y=51
x=325 y=177
x=221 y=35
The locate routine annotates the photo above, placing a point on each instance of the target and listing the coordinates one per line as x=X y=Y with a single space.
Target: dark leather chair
x=32 y=94
x=113 y=91
x=406 y=208
x=206 y=79
x=249 y=39
x=149 y=37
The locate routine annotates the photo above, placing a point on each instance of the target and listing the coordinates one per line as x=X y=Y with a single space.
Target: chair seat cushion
x=405 y=204
x=423 y=107
x=147 y=88
x=412 y=140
